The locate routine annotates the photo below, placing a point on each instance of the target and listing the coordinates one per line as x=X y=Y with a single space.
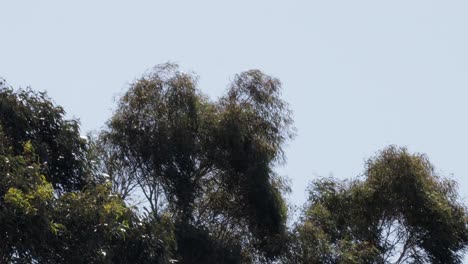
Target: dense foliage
x=26 y=115
x=401 y=212
x=53 y=211
x=209 y=164
x=176 y=177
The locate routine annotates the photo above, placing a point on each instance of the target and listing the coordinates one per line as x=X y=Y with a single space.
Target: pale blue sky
x=359 y=75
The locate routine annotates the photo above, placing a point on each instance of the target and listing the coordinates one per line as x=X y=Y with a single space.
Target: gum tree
x=207 y=163
x=401 y=212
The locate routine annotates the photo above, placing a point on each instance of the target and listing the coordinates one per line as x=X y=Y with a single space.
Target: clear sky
x=359 y=75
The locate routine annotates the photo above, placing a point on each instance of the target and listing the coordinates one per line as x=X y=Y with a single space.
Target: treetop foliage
x=190 y=153
x=26 y=115
x=401 y=212
x=178 y=177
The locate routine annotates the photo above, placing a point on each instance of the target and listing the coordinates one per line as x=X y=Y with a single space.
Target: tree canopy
x=401 y=212
x=26 y=115
x=210 y=164
x=178 y=177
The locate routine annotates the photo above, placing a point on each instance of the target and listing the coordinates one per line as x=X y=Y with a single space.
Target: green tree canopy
x=31 y=116
x=402 y=212
x=206 y=171
x=65 y=222
x=209 y=163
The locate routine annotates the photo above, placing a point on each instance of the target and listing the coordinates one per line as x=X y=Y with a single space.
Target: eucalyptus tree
x=207 y=163
x=401 y=212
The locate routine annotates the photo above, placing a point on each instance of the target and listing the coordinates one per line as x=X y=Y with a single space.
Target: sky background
x=359 y=75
